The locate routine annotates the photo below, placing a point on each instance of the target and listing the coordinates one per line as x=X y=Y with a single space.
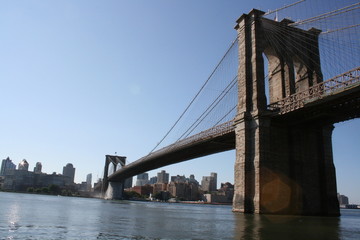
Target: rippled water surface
x=28 y=216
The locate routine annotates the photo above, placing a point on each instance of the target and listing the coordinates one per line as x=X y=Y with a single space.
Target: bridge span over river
x=279 y=123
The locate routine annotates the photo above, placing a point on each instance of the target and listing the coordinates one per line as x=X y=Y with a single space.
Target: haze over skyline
x=83 y=79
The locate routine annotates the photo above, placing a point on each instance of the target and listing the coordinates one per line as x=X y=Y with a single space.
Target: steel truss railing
x=329 y=87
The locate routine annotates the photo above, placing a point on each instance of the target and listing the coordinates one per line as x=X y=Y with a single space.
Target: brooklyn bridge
x=280 y=88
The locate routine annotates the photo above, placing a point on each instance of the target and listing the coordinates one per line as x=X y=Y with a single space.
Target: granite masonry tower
x=281 y=162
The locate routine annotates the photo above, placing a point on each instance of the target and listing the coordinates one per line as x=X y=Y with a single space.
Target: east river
x=30 y=216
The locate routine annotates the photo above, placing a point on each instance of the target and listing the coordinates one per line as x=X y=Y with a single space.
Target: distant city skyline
x=164 y=177
x=67 y=170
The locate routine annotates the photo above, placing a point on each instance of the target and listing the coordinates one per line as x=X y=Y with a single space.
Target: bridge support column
x=251 y=151
x=284 y=169
x=114 y=191
x=281 y=167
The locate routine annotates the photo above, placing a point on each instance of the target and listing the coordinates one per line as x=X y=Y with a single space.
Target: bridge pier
x=283 y=165
x=284 y=169
x=114 y=191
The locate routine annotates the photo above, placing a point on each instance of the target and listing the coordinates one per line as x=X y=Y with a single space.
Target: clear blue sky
x=82 y=79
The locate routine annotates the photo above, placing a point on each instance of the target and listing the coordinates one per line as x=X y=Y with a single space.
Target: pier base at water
x=114 y=191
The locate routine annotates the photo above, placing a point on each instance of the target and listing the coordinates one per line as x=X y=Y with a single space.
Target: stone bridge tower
x=281 y=161
x=112 y=190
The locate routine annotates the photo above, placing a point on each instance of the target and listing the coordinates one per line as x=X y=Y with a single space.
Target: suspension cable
x=197 y=94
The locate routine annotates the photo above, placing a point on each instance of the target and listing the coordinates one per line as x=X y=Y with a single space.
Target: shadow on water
x=286 y=227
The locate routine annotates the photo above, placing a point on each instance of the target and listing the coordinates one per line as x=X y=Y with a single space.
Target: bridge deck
x=334 y=100
x=218 y=139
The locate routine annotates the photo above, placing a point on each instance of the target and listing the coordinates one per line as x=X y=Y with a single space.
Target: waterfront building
x=216 y=197
x=82 y=186
x=69 y=171
x=23 y=165
x=193 y=180
x=227 y=190
x=206 y=184
x=352 y=206
x=224 y=195
x=159 y=187
x=97 y=186
x=2 y=182
x=177 y=189
x=142 y=179
x=343 y=200
x=128 y=182
x=193 y=193
x=214 y=181
x=184 y=191
x=55 y=179
x=88 y=182
x=5 y=165
x=163 y=177
x=143 y=190
x=178 y=179
x=38 y=167
x=18 y=180
x=209 y=183
x=153 y=180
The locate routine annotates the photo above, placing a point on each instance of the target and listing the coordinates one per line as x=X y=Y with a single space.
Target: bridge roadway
x=334 y=100
x=217 y=139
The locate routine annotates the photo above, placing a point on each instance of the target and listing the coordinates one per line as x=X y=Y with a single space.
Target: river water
x=30 y=216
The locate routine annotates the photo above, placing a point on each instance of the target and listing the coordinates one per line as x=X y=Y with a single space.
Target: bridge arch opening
x=279 y=78
x=266 y=78
x=111 y=169
x=288 y=73
x=280 y=74
x=118 y=166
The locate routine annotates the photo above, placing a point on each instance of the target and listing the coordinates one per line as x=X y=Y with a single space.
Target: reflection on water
x=25 y=216
x=286 y=227
x=13 y=216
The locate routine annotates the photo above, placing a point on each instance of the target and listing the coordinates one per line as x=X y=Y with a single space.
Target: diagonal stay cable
x=209 y=109
x=197 y=94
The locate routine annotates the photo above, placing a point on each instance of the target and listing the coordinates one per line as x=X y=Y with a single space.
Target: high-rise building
x=214 y=181
x=162 y=177
x=193 y=180
x=69 y=171
x=184 y=190
x=177 y=189
x=128 y=182
x=23 y=165
x=142 y=179
x=88 y=182
x=343 y=200
x=206 y=183
x=159 y=187
x=178 y=179
x=38 y=167
x=6 y=164
x=153 y=180
x=209 y=183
